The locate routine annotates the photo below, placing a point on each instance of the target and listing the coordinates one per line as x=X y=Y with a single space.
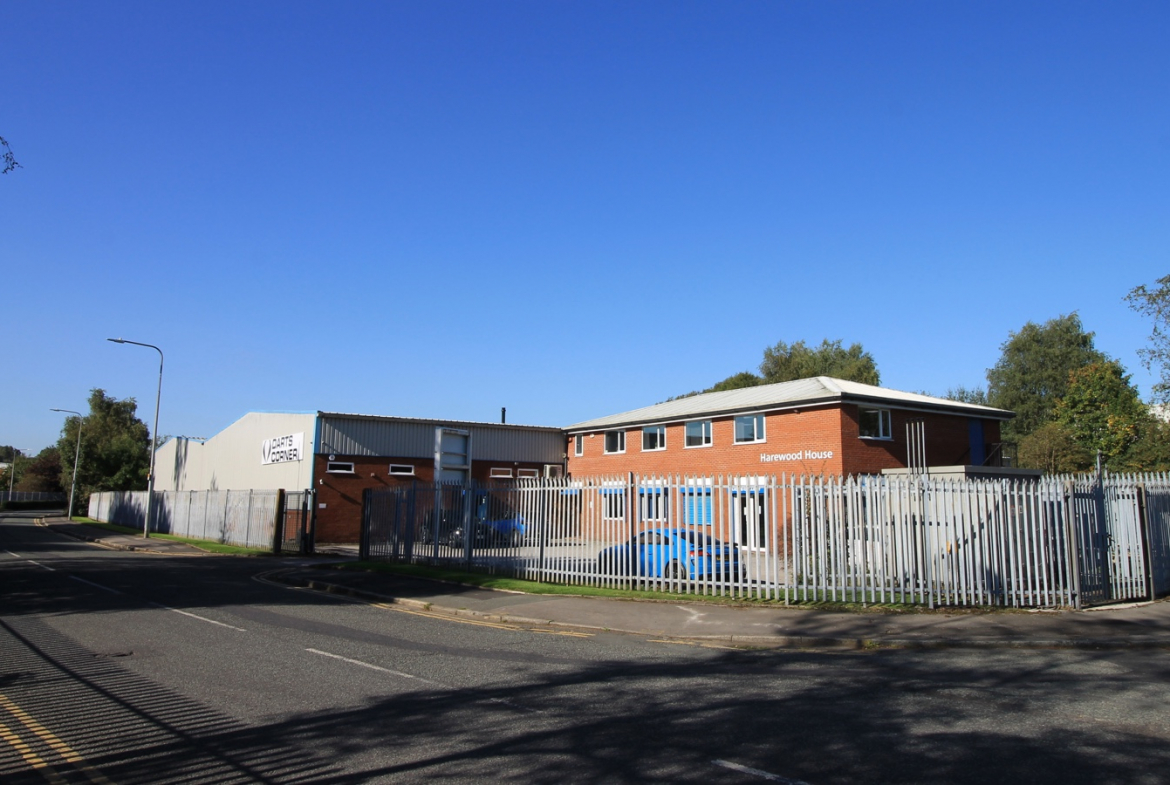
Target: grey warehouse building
x=340 y=455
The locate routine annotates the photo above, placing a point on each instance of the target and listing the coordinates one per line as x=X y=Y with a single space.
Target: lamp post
x=76 y=456
x=12 y=473
x=154 y=434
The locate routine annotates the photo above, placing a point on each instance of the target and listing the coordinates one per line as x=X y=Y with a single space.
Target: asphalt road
x=123 y=667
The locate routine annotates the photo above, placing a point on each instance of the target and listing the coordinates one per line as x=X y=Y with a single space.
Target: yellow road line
x=58 y=746
x=477 y=623
x=30 y=757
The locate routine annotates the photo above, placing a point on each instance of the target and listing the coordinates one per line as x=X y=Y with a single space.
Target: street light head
x=117 y=340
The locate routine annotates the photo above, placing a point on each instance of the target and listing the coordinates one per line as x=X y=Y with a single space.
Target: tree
x=736 y=382
x=43 y=473
x=1032 y=373
x=1155 y=303
x=7 y=157
x=784 y=362
x=1051 y=447
x=115 y=447
x=1150 y=451
x=975 y=395
x=1102 y=410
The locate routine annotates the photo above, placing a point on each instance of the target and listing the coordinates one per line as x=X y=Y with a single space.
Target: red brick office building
x=809 y=426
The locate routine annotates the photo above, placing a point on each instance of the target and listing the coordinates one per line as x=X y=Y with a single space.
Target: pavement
x=1130 y=626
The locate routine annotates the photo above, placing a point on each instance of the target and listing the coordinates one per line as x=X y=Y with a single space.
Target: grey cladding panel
x=394 y=438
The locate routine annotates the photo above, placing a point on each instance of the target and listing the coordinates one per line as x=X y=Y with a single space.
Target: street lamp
x=154 y=435
x=12 y=473
x=76 y=456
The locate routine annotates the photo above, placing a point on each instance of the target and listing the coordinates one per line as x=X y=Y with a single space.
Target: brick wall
x=340 y=519
x=816 y=440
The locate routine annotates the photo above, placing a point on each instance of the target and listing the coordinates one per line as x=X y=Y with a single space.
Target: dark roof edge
x=438 y=421
x=987 y=413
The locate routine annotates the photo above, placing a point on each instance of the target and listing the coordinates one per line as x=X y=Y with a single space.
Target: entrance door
x=750 y=510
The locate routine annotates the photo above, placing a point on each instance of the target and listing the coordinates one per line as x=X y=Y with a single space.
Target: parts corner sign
x=283 y=449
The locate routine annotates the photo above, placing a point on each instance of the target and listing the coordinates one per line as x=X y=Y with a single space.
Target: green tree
x=1155 y=303
x=1150 y=451
x=784 y=362
x=1102 y=410
x=43 y=473
x=115 y=447
x=1052 y=448
x=975 y=395
x=1032 y=373
x=736 y=382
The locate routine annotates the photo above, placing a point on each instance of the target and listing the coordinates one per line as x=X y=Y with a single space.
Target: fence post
x=312 y=494
x=364 y=539
x=278 y=523
x=1073 y=544
x=1147 y=540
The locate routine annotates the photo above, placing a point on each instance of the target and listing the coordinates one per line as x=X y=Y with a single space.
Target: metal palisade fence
x=269 y=519
x=1054 y=542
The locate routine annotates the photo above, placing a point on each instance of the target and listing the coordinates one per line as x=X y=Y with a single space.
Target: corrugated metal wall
x=416 y=439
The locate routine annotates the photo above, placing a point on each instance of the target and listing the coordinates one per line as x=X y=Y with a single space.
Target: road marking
x=757 y=773
x=58 y=746
x=195 y=616
x=30 y=561
x=95 y=585
x=30 y=757
x=160 y=605
x=375 y=667
x=478 y=623
x=695 y=644
x=439 y=684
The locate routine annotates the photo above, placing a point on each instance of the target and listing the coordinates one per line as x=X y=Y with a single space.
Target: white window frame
x=621 y=442
x=401 y=469
x=527 y=474
x=334 y=467
x=661 y=430
x=759 y=429
x=500 y=473
x=885 y=424
x=579 y=445
x=708 y=434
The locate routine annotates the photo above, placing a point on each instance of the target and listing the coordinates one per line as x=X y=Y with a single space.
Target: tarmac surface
x=1130 y=626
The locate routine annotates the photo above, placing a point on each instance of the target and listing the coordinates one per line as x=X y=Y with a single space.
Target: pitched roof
x=801 y=392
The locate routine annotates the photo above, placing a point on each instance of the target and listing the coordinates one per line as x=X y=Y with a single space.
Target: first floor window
x=401 y=468
x=501 y=472
x=579 y=444
x=615 y=441
x=698 y=433
x=874 y=424
x=749 y=428
x=527 y=474
x=339 y=467
x=654 y=438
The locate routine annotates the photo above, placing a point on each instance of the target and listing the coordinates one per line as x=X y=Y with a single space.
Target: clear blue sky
x=570 y=209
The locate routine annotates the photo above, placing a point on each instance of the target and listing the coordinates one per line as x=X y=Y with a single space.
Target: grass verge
x=211 y=546
x=812 y=602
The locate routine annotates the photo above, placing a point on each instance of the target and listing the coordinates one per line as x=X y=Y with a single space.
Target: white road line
x=30 y=561
x=195 y=616
x=419 y=679
x=159 y=605
x=95 y=585
x=376 y=667
x=757 y=773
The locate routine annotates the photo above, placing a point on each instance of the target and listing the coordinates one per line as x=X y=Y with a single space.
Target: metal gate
x=296 y=522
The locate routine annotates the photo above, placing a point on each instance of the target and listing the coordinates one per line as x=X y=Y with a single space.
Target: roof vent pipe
x=503 y=415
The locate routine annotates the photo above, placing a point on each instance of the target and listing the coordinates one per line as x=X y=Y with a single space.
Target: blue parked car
x=672 y=553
